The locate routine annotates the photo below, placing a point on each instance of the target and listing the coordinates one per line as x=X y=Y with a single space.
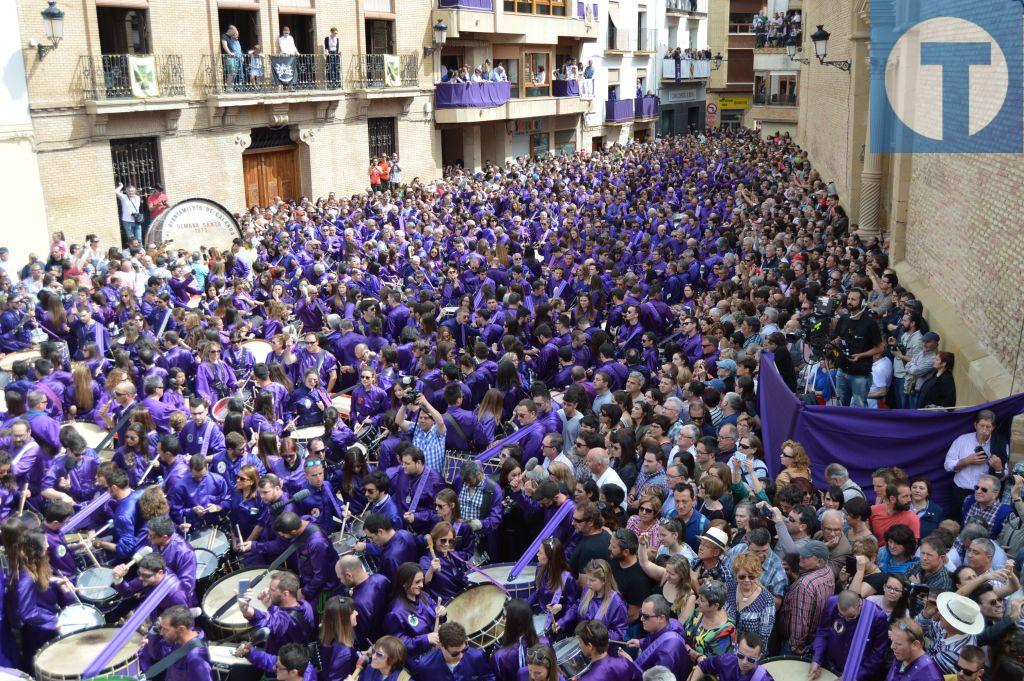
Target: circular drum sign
x=193 y=223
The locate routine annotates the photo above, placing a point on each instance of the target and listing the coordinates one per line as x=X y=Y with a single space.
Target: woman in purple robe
x=337 y=638
x=9 y=490
x=556 y=589
x=387 y=660
x=446 y=510
x=413 y=613
x=244 y=505
x=519 y=637
x=83 y=394
x=541 y=665
x=444 y=571
x=601 y=601
x=134 y=456
x=214 y=379
x=34 y=602
x=263 y=416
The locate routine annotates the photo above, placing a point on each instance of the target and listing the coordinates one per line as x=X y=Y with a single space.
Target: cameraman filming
x=858 y=338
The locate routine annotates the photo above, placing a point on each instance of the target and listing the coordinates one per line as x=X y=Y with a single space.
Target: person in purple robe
x=599 y=603
x=556 y=589
x=388 y=547
x=739 y=666
x=368 y=400
x=414 y=487
x=290 y=619
x=413 y=612
x=176 y=628
x=387 y=660
x=337 y=644
x=263 y=544
x=134 y=455
x=308 y=402
x=444 y=570
x=214 y=378
x=201 y=435
x=151 y=572
x=376 y=489
x=372 y=594
x=85 y=329
x=200 y=498
x=313 y=356
x=320 y=503
x=72 y=475
x=314 y=559
x=453 y=658
x=664 y=642
x=287 y=466
x=239 y=358
x=518 y=637
x=178 y=553
x=62 y=560
x=129 y=528
x=912 y=663
x=593 y=640
x=45 y=429
x=836 y=635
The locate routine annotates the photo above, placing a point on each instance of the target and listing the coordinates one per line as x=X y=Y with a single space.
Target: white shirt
x=561 y=457
x=610 y=477
x=881 y=377
x=962 y=447
x=286 y=44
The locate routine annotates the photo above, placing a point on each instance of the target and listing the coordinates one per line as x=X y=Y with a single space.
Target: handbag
x=139 y=218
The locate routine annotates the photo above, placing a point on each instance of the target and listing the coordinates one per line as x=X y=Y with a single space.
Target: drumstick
x=344 y=519
x=24 y=498
x=89 y=553
x=621 y=643
x=430 y=547
x=146 y=472
x=241 y=539
x=213 y=538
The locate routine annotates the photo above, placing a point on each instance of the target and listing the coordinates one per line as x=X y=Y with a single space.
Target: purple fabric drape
x=565 y=88
x=646 y=107
x=865 y=439
x=580 y=9
x=471 y=95
x=616 y=110
x=466 y=4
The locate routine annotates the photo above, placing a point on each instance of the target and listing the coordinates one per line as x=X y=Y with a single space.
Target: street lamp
x=820 y=39
x=716 y=61
x=792 y=48
x=440 y=38
x=53 y=26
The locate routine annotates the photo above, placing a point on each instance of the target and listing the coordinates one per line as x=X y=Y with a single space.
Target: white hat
x=961 y=612
x=717 y=537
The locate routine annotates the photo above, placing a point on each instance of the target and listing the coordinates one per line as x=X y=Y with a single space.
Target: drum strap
x=759 y=674
x=21 y=452
x=278 y=562
x=167 y=662
x=206 y=438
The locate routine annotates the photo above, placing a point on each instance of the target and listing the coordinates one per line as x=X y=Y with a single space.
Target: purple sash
x=129 y=628
x=556 y=518
x=206 y=438
x=860 y=637
x=418 y=492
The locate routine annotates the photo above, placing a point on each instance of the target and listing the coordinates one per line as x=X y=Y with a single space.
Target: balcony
x=689 y=69
x=378 y=76
x=687 y=7
x=783 y=99
x=125 y=83
x=483 y=102
x=618 y=111
x=646 y=108
x=258 y=75
x=647 y=40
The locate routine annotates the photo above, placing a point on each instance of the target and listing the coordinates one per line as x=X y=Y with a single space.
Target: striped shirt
x=802 y=606
x=432 y=443
x=945 y=650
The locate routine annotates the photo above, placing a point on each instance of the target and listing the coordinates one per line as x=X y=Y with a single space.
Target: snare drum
x=227 y=667
x=93 y=436
x=481 y=611
x=538 y=624
x=231 y=622
x=571 y=660
x=522 y=587
x=219 y=544
x=260 y=349
x=207 y=563
x=79 y=617
x=787 y=667
x=95 y=588
x=8 y=674
x=343 y=403
x=220 y=409
x=65 y=658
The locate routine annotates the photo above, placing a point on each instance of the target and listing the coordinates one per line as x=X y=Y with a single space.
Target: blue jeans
x=852 y=390
x=132 y=230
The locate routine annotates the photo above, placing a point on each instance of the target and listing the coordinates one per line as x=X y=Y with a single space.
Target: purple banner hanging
x=565 y=88
x=618 y=110
x=864 y=439
x=487 y=5
x=646 y=107
x=471 y=95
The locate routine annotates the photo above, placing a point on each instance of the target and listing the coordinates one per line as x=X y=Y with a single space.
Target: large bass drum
x=481 y=611
x=65 y=658
x=783 y=668
x=231 y=621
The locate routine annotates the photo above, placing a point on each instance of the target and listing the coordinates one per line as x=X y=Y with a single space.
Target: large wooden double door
x=270 y=173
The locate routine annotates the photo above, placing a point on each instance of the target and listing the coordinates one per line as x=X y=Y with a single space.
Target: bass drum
x=231 y=621
x=65 y=658
x=481 y=611
x=783 y=668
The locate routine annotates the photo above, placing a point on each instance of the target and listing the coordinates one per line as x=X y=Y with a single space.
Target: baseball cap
x=814 y=549
x=931 y=336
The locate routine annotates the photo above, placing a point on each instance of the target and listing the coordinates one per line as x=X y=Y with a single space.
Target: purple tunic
x=402 y=548
x=189 y=493
x=411 y=623
x=61 y=559
x=614 y=669
x=315 y=560
x=372 y=598
x=921 y=669
x=81 y=477
x=181 y=560
x=287 y=625
x=666 y=648
x=473 y=666
x=444 y=585
x=195 y=666
x=614 y=616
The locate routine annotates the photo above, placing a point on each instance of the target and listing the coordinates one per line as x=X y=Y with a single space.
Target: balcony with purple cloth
x=483 y=5
x=581 y=10
x=618 y=110
x=646 y=107
x=471 y=95
x=565 y=88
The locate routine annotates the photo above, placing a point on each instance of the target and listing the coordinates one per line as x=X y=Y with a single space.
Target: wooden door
x=269 y=173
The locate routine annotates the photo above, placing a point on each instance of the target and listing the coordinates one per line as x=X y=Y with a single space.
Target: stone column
x=471 y=152
x=870 y=189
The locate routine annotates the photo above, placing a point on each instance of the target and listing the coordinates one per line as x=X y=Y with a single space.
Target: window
x=380 y=36
x=136 y=163
x=554 y=8
x=512 y=71
x=565 y=141
x=537 y=68
x=775 y=89
x=381 y=132
x=540 y=144
x=123 y=31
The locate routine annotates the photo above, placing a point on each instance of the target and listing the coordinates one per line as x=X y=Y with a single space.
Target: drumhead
x=223 y=656
x=90 y=432
x=79 y=617
x=500 y=572
x=69 y=655
x=793 y=668
x=95 y=578
x=8 y=360
x=307 y=433
x=200 y=539
x=260 y=349
x=223 y=589
x=8 y=674
x=477 y=607
x=343 y=403
x=206 y=563
x=566 y=648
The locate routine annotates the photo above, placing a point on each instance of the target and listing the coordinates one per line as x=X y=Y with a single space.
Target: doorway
x=270 y=167
x=248 y=24
x=303 y=31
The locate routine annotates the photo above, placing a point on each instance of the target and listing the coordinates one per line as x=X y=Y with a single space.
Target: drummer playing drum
x=177 y=628
x=733 y=667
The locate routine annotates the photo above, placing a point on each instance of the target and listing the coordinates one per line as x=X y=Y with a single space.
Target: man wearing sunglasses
x=740 y=666
x=453 y=658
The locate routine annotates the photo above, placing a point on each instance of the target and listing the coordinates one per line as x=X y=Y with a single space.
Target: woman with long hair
x=444 y=571
x=518 y=637
x=542 y=664
x=674 y=579
x=33 y=601
x=338 y=637
x=263 y=417
x=555 y=589
x=601 y=601
x=337 y=436
x=245 y=506
x=413 y=612
x=9 y=490
x=513 y=532
x=83 y=394
x=490 y=412
x=446 y=510
x=134 y=455
x=895 y=597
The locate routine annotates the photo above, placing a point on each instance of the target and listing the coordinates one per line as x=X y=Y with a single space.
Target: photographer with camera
x=428 y=431
x=903 y=351
x=858 y=339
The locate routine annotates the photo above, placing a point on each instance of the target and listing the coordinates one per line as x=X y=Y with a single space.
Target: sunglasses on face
x=746 y=658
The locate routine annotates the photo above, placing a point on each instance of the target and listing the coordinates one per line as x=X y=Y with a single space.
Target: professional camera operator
x=858 y=338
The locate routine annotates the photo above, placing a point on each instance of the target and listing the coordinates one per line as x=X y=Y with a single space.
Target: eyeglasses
x=646 y=509
x=577 y=520
x=644 y=616
x=367 y=376
x=979 y=488
x=314 y=463
x=547 y=446
x=446 y=542
x=744 y=578
x=893 y=589
x=746 y=658
x=968 y=672
x=457 y=653
x=746 y=445
x=378 y=653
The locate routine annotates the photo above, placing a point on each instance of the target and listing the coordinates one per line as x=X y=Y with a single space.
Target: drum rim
x=498 y=619
x=106 y=671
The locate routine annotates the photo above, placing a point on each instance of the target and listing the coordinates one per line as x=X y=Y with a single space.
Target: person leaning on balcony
x=231 y=54
x=286 y=43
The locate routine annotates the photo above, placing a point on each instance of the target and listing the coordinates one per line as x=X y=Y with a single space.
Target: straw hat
x=961 y=612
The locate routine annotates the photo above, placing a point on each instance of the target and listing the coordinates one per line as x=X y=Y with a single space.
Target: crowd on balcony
x=571 y=69
x=689 y=53
x=776 y=30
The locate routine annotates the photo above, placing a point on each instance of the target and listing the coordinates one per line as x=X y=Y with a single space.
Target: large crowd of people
x=499 y=425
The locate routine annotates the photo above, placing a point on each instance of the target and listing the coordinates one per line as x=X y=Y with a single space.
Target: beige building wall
x=953 y=220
